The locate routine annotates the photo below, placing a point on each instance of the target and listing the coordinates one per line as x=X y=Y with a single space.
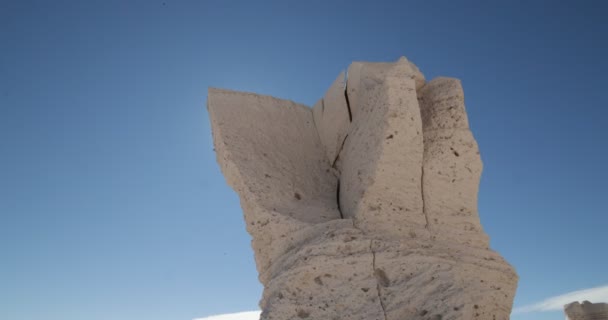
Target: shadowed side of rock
x=270 y=153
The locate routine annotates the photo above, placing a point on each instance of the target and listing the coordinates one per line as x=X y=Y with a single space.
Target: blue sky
x=112 y=205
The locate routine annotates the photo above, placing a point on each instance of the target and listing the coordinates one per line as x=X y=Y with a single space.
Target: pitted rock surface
x=364 y=206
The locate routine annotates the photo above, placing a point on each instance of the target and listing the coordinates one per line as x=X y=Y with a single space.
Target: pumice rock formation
x=364 y=206
x=586 y=311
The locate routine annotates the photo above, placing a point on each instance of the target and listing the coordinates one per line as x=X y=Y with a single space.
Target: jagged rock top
x=365 y=206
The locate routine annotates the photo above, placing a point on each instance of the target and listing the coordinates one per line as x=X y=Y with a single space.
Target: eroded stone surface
x=332 y=118
x=271 y=155
x=452 y=165
x=382 y=157
x=370 y=219
x=443 y=280
x=361 y=74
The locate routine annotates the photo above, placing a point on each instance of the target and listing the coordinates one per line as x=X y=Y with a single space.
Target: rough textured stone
x=370 y=219
x=452 y=165
x=586 y=311
x=271 y=155
x=332 y=118
x=382 y=156
x=360 y=74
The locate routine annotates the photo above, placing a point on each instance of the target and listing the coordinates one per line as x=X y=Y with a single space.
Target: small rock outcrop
x=364 y=206
x=586 y=311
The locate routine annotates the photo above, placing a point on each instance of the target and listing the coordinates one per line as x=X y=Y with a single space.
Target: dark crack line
x=333 y=165
x=338 y=200
x=426 y=216
x=377 y=282
x=322 y=106
x=350 y=115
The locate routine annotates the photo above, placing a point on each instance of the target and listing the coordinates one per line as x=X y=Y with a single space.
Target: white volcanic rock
x=361 y=74
x=370 y=219
x=382 y=156
x=271 y=155
x=329 y=276
x=332 y=118
x=441 y=280
x=452 y=165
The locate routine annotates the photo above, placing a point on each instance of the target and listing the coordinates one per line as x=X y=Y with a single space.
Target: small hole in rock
x=303 y=314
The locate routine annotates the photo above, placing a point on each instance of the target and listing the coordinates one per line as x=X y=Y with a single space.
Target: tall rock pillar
x=365 y=206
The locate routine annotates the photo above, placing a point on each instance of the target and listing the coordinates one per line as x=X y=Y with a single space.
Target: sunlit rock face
x=365 y=205
x=586 y=311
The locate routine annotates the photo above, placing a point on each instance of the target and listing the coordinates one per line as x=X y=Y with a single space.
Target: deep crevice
x=338 y=200
x=333 y=165
x=350 y=115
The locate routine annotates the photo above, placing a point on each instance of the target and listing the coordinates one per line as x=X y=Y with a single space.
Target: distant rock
x=365 y=206
x=586 y=311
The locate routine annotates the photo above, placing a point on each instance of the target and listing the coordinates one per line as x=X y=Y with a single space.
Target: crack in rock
x=302 y=174
x=426 y=215
x=382 y=276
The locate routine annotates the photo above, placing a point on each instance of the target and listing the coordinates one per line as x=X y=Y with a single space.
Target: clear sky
x=112 y=205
